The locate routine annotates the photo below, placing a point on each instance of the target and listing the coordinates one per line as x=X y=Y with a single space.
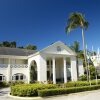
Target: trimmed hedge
x=30 y=89
x=59 y=91
x=3 y=84
x=16 y=82
x=34 y=89
x=80 y=83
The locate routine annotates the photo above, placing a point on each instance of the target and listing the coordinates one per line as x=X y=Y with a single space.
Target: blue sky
x=42 y=22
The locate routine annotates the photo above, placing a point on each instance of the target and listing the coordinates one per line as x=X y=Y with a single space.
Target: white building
x=56 y=62
x=96 y=61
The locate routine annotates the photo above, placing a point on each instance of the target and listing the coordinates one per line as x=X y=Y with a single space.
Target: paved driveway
x=93 y=95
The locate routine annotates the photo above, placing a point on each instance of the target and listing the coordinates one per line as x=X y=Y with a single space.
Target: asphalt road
x=93 y=95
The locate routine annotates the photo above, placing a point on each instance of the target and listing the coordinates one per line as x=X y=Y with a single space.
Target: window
x=2 y=77
x=47 y=62
x=18 y=76
x=21 y=77
x=58 y=48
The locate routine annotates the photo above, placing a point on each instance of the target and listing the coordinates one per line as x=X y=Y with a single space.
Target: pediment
x=58 y=48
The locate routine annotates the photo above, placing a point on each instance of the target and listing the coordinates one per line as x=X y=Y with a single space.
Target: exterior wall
x=80 y=67
x=18 y=61
x=41 y=67
x=20 y=70
x=73 y=69
x=4 y=72
x=8 y=68
x=3 y=61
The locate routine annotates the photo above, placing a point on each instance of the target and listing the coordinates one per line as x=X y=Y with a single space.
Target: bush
x=30 y=89
x=3 y=84
x=81 y=83
x=59 y=91
x=16 y=82
x=77 y=84
x=83 y=77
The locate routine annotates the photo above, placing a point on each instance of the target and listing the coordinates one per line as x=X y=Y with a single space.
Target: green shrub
x=77 y=84
x=59 y=91
x=3 y=84
x=30 y=89
x=83 y=77
x=16 y=82
x=70 y=84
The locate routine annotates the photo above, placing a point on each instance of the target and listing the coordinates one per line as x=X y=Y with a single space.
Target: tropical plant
x=13 y=44
x=92 y=72
x=75 y=46
x=31 y=47
x=76 y=20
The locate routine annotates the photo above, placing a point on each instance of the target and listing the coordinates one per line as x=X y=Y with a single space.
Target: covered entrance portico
x=61 y=68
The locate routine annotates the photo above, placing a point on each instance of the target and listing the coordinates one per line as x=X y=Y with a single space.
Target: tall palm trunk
x=84 y=53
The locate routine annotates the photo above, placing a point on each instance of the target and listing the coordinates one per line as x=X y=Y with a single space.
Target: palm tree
x=75 y=46
x=76 y=20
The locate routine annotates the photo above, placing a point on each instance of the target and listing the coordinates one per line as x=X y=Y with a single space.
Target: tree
x=31 y=47
x=13 y=44
x=75 y=46
x=76 y=20
x=92 y=71
x=6 y=44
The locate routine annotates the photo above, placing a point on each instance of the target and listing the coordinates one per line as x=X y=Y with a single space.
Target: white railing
x=14 y=65
x=18 y=65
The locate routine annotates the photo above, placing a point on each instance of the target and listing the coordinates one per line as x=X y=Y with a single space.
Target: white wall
x=41 y=67
x=4 y=72
x=19 y=61
x=20 y=70
x=3 y=61
x=73 y=69
x=80 y=67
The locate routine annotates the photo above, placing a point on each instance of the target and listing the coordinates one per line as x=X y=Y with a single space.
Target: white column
x=42 y=69
x=73 y=69
x=28 y=72
x=54 y=71
x=9 y=71
x=65 y=70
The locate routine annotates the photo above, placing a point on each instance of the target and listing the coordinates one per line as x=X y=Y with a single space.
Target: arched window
x=18 y=76
x=2 y=77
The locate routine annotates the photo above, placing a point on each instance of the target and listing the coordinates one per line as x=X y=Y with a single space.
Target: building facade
x=57 y=62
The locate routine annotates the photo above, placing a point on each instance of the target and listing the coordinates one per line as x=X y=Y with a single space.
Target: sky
x=42 y=22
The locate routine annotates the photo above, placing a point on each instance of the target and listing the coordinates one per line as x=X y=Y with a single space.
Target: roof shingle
x=16 y=51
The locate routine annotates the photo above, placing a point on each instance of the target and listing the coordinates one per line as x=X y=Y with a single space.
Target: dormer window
x=58 y=48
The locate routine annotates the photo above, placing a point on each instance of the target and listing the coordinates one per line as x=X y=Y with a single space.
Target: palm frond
x=75 y=20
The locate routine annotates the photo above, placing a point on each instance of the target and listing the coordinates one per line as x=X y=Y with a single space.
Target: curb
x=25 y=98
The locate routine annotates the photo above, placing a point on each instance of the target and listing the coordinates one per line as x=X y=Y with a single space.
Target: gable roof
x=16 y=51
x=58 y=42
